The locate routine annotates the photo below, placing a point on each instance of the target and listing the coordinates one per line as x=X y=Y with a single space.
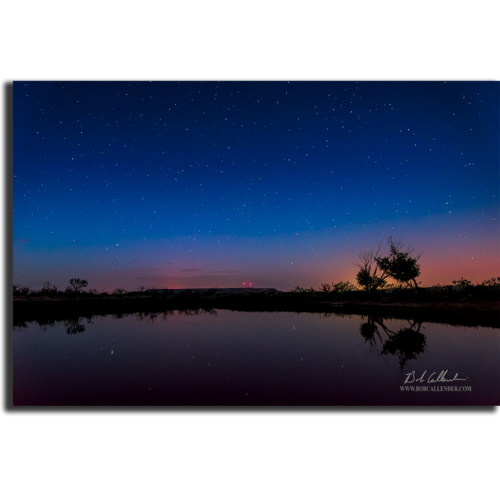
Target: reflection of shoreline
x=75 y=325
x=266 y=296
x=61 y=309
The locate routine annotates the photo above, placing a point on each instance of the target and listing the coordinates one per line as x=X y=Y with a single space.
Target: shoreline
x=479 y=312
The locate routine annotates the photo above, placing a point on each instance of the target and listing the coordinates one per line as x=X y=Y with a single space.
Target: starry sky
x=205 y=184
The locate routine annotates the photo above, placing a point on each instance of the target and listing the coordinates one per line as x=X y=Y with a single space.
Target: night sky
x=204 y=184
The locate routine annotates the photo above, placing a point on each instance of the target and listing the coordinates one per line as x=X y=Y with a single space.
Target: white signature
x=410 y=377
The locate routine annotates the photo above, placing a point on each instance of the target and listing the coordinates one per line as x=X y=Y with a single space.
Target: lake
x=229 y=358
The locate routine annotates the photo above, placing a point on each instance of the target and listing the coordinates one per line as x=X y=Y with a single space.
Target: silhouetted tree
x=368 y=275
x=401 y=266
x=493 y=282
x=49 y=288
x=77 y=284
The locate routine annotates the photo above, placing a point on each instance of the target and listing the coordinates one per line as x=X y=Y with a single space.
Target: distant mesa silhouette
x=215 y=291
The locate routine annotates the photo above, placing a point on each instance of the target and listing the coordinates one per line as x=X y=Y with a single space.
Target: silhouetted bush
x=492 y=282
x=462 y=285
x=22 y=291
x=344 y=287
x=48 y=289
x=76 y=284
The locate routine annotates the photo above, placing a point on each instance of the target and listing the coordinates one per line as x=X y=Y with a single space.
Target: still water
x=253 y=358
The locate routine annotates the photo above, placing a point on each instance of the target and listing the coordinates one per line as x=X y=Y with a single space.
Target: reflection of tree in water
x=406 y=344
x=195 y=312
x=20 y=325
x=190 y=312
x=73 y=326
x=141 y=316
x=152 y=317
x=45 y=324
x=119 y=315
x=368 y=331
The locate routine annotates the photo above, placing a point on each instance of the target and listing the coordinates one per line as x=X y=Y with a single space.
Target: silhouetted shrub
x=461 y=284
x=48 y=288
x=76 y=284
x=22 y=291
x=492 y=282
x=343 y=287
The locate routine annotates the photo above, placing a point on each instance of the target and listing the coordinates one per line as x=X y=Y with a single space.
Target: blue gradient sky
x=195 y=184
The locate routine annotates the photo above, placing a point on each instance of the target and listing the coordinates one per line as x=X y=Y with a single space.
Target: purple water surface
x=251 y=358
